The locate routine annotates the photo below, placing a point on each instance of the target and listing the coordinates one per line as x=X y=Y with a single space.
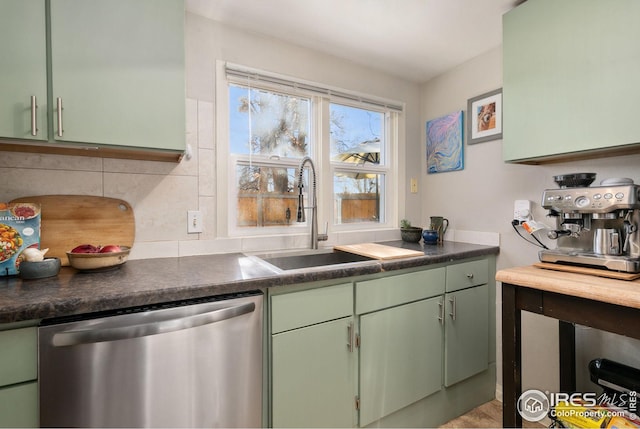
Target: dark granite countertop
x=151 y=281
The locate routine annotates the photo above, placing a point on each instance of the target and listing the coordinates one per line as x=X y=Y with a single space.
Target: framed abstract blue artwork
x=445 y=143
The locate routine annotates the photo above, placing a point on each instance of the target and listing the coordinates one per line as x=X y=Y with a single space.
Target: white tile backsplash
x=208 y=247
x=474 y=237
x=206 y=172
x=207 y=205
x=154 y=249
x=49 y=162
x=160 y=203
x=205 y=125
x=139 y=167
x=24 y=182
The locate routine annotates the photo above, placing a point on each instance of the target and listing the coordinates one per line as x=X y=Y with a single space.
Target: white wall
x=480 y=198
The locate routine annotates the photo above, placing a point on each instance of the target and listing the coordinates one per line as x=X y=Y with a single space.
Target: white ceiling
x=412 y=39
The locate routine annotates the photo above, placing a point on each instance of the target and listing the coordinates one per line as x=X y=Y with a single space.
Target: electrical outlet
x=194 y=221
x=522 y=210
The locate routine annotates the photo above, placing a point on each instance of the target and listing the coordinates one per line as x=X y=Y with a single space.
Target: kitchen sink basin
x=310 y=259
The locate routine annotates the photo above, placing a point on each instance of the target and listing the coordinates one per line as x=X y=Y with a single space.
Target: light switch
x=414 y=185
x=194 y=221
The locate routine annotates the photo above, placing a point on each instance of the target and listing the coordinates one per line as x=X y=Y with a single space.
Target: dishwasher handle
x=87 y=336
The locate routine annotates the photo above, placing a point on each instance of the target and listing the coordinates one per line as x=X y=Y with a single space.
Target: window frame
x=319 y=151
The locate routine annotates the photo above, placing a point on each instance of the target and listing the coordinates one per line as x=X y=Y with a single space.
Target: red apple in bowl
x=85 y=248
x=110 y=248
x=103 y=258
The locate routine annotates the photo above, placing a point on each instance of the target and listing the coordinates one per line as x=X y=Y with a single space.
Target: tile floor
x=488 y=415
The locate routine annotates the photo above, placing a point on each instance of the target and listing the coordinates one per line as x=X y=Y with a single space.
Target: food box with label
x=19 y=229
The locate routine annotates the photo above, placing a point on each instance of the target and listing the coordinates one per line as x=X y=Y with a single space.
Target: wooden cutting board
x=586 y=270
x=70 y=220
x=379 y=251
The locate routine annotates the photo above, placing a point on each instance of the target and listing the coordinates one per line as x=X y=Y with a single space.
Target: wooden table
x=601 y=303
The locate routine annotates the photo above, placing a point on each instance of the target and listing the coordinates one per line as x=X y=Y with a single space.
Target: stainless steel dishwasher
x=188 y=364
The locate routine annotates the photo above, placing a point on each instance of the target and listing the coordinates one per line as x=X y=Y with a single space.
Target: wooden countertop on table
x=619 y=292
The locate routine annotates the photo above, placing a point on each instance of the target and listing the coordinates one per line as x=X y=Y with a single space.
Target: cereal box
x=19 y=229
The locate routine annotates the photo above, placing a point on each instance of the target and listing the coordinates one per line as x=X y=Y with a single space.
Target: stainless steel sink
x=308 y=259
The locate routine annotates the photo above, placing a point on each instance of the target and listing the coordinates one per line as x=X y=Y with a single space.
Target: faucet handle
x=325 y=236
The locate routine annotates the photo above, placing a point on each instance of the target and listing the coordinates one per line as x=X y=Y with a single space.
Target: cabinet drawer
x=19 y=406
x=18 y=360
x=467 y=274
x=297 y=309
x=375 y=294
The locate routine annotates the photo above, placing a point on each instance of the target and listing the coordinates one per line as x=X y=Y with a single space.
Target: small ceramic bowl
x=49 y=267
x=430 y=236
x=411 y=235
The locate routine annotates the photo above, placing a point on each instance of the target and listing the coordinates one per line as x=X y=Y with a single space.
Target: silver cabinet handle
x=34 y=115
x=59 y=106
x=86 y=336
x=470 y=275
x=453 y=307
x=350 y=337
x=441 y=311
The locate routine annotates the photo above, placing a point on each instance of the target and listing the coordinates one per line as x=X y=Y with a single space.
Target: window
x=268 y=136
x=357 y=143
x=273 y=123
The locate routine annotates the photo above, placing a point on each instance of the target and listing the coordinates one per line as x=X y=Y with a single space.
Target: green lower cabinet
x=466 y=333
x=400 y=357
x=313 y=376
x=18 y=373
x=414 y=348
x=19 y=406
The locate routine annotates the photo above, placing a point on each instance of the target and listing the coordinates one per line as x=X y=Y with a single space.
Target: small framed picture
x=484 y=121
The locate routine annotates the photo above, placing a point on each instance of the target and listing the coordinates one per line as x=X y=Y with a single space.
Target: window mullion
x=325 y=185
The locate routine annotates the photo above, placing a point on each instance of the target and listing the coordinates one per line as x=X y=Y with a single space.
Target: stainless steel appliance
x=187 y=364
x=595 y=225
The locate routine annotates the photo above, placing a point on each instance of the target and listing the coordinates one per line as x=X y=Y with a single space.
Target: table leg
x=567 y=338
x=511 y=357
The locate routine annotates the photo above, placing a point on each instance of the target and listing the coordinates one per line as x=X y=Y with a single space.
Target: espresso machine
x=596 y=226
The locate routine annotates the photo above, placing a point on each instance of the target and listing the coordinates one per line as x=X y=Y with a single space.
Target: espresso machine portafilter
x=596 y=226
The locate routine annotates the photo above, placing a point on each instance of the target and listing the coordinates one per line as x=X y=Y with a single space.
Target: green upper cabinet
x=117 y=68
x=107 y=75
x=571 y=84
x=23 y=69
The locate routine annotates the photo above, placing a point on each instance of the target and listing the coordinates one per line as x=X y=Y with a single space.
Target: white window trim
x=225 y=163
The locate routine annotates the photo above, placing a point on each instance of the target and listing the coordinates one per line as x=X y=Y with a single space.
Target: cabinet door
x=400 y=357
x=19 y=406
x=466 y=333
x=23 y=68
x=19 y=357
x=118 y=68
x=571 y=80
x=313 y=376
